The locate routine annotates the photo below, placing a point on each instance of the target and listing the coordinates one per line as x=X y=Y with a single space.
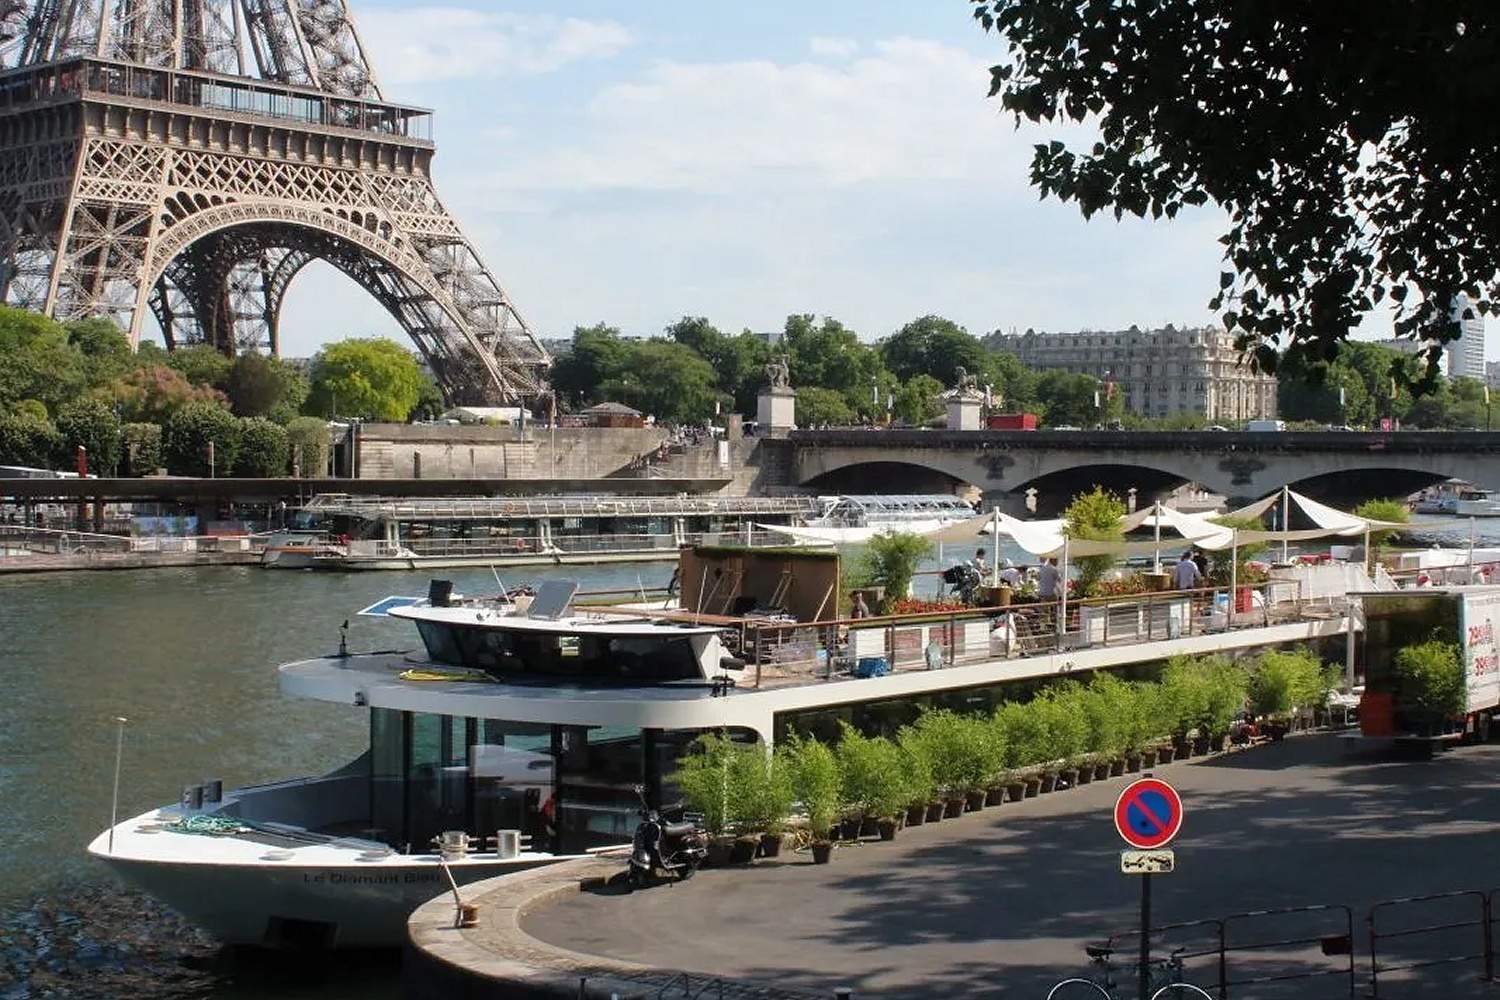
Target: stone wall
x=439 y=451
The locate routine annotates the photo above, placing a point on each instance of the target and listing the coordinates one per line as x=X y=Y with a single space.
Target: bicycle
x=1165 y=978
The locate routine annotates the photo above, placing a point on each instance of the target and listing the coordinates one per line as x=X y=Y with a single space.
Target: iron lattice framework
x=190 y=157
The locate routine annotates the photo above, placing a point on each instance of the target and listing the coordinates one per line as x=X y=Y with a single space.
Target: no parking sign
x=1148 y=814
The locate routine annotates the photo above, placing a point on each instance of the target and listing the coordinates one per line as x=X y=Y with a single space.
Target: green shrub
x=1430 y=682
x=1094 y=516
x=703 y=775
x=1202 y=692
x=1381 y=510
x=187 y=434
x=764 y=785
x=1106 y=703
x=814 y=774
x=916 y=770
x=890 y=560
x=1022 y=732
x=90 y=424
x=1067 y=725
x=308 y=442
x=964 y=753
x=870 y=773
x=24 y=440
x=263 y=449
x=141 y=445
x=1285 y=681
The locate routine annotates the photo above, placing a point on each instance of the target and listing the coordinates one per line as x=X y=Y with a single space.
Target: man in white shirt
x=1009 y=575
x=1047 y=578
x=980 y=566
x=1187 y=574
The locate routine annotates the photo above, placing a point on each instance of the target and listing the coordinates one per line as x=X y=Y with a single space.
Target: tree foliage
x=140 y=445
x=1350 y=179
x=90 y=424
x=25 y=440
x=187 y=434
x=263 y=450
x=152 y=394
x=258 y=386
x=374 y=378
x=1094 y=516
x=202 y=364
x=820 y=407
x=890 y=560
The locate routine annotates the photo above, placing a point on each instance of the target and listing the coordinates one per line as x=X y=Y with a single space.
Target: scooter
x=675 y=848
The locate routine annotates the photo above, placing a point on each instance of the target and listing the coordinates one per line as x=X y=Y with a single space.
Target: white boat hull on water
x=345 y=894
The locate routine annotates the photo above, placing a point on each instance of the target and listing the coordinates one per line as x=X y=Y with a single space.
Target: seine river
x=189 y=657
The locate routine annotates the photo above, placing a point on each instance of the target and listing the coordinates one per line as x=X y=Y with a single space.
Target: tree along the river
x=1352 y=146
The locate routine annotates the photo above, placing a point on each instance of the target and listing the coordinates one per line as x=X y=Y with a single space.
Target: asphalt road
x=1000 y=903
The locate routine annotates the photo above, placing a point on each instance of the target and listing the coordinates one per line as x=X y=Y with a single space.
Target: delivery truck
x=1465 y=622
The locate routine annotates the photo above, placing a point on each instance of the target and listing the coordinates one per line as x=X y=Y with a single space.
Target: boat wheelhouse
x=522 y=729
x=416 y=533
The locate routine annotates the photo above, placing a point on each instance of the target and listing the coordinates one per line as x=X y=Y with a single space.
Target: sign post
x=1148 y=815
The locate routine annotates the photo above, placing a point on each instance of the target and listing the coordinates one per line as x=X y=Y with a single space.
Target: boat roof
x=573 y=624
x=581 y=505
x=899 y=503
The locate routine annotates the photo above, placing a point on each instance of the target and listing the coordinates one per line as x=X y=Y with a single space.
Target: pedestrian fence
x=1414 y=945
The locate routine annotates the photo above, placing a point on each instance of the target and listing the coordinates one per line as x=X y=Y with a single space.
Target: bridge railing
x=800 y=653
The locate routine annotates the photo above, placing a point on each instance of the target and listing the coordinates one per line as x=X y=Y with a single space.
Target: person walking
x=1187 y=575
x=1047 y=580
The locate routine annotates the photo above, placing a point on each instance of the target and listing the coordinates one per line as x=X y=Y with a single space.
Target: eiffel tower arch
x=190 y=157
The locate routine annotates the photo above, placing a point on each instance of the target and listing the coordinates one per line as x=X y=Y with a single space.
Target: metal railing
x=503 y=547
x=472 y=508
x=794 y=652
x=21 y=542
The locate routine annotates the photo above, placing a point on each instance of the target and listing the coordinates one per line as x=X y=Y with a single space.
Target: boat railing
x=559 y=545
x=799 y=653
x=21 y=541
x=480 y=508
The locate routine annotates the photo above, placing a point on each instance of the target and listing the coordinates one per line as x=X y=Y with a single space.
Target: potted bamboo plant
x=916 y=779
x=870 y=773
x=709 y=780
x=814 y=773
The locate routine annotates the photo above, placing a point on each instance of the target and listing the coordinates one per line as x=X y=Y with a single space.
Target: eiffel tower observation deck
x=190 y=157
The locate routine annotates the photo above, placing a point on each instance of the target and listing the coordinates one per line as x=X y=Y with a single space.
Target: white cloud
x=834 y=48
x=908 y=110
x=426 y=44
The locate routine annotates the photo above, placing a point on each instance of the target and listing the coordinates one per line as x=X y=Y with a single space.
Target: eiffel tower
x=192 y=156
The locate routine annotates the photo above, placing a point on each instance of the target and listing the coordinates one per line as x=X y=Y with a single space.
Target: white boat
x=394 y=533
x=1441 y=498
x=520 y=731
x=852 y=519
x=1477 y=503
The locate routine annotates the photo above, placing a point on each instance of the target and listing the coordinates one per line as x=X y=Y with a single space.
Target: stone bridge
x=1057 y=464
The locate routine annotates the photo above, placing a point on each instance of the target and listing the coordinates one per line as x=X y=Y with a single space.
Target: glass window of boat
x=518 y=654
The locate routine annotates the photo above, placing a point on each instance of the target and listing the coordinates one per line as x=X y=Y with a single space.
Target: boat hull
x=304 y=906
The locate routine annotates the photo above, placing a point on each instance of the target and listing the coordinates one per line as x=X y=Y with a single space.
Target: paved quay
x=1000 y=903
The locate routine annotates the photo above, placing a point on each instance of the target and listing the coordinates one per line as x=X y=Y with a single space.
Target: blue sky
x=746 y=161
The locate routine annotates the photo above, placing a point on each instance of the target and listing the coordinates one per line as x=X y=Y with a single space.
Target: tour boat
x=392 y=533
x=1441 y=498
x=516 y=735
x=852 y=519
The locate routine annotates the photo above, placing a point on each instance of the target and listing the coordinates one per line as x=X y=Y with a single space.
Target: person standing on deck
x=1187 y=575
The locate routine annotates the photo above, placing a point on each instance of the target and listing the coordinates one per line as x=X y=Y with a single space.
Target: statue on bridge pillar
x=776 y=407
x=964 y=402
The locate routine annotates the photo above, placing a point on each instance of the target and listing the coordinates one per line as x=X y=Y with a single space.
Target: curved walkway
x=999 y=903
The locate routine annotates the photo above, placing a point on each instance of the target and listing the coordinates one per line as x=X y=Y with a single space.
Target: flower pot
x=822 y=850
x=1016 y=791
x=935 y=811
x=1148 y=758
x=955 y=807
x=1067 y=778
x=1165 y=754
x=849 y=827
x=1085 y=774
x=1132 y=762
x=1181 y=747
x=1048 y=783
x=1117 y=767
x=743 y=850
x=974 y=800
x=1033 y=787
x=886 y=828
x=994 y=795
x=1277 y=732
x=869 y=826
x=770 y=845
x=719 y=851
x=1102 y=770
x=1200 y=745
x=916 y=815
